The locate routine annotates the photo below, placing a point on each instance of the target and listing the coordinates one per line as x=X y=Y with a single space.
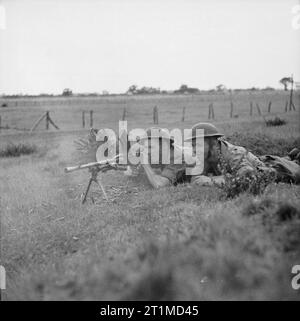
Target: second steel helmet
x=209 y=130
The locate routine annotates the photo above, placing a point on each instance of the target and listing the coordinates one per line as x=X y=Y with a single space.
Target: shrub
x=277 y=121
x=4 y=127
x=16 y=150
x=287 y=212
x=281 y=219
x=279 y=211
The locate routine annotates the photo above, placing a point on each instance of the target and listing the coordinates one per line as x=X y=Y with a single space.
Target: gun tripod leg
x=87 y=190
x=102 y=188
x=96 y=180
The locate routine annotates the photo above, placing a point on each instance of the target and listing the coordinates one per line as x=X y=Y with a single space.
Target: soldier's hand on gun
x=218 y=180
x=202 y=180
x=208 y=180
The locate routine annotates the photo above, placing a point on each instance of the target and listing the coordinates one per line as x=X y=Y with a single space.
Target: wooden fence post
x=50 y=121
x=47 y=120
x=83 y=119
x=183 y=114
x=212 y=111
x=269 y=106
x=37 y=122
x=231 y=109
x=291 y=103
x=124 y=114
x=91 y=118
x=258 y=109
x=251 y=108
x=155 y=115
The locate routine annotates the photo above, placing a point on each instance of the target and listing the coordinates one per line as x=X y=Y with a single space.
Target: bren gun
x=96 y=167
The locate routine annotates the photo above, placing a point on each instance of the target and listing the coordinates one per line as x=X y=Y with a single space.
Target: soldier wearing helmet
x=161 y=144
x=214 y=146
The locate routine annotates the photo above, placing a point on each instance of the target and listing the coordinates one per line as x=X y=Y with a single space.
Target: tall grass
x=183 y=242
x=16 y=150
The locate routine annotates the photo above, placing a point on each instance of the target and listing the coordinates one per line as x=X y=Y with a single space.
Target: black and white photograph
x=149 y=151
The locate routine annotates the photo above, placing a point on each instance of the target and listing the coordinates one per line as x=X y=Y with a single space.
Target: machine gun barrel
x=110 y=162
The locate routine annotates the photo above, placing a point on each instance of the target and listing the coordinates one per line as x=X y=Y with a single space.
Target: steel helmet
x=210 y=130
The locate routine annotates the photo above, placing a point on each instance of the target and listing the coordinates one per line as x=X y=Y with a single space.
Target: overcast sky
x=96 y=45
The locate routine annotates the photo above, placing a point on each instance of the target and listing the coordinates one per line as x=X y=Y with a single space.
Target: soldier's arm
x=167 y=177
x=204 y=180
x=155 y=180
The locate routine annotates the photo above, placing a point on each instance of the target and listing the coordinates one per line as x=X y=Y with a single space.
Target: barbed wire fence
x=86 y=120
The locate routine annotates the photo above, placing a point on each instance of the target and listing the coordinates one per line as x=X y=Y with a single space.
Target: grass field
x=179 y=242
x=67 y=112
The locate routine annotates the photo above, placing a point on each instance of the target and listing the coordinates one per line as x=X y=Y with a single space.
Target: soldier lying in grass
x=216 y=149
x=216 y=153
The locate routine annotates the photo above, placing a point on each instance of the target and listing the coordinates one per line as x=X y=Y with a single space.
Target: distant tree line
x=135 y=90
x=185 y=89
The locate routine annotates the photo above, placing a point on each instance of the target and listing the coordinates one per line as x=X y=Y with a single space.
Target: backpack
x=287 y=171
